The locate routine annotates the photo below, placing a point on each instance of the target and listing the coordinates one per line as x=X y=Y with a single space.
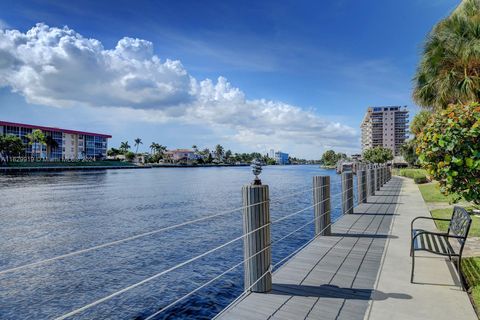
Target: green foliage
x=419 y=121
x=471 y=274
x=271 y=161
x=154 y=158
x=10 y=146
x=35 y=138
x=228 y=155
x=330 y=157
x=407 y=150
x=112 y=152
x=378 y=155
x=129 y=156
x=431 y=193
x=124 y=147
x=449 y=148
x=419 y=179
x=411 y=173
x=418 y=175
x=137 y=144
x=219 y=151
x=449 y=69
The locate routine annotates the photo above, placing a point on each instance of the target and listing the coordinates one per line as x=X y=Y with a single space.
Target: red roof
x=14 y=124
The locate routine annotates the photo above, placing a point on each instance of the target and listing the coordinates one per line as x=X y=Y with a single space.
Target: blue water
x=43 y=215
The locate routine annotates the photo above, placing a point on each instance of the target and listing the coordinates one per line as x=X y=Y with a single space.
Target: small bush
x=411 y=173
x=420 y=178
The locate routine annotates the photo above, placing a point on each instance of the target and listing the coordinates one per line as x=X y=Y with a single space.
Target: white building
x=385 y=127
x=69 y=144
x=179 y=155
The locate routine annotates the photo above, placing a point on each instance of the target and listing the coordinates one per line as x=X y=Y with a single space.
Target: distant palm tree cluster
x=218 y=155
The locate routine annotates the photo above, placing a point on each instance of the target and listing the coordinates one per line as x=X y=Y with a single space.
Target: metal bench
x=438 y=242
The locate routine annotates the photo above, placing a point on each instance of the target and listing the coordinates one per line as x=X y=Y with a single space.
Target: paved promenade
x=362 y=271
x=436 y=293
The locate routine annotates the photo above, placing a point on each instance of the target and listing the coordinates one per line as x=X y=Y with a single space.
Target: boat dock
x=362 y=270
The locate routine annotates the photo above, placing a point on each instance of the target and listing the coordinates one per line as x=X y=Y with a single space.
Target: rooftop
x=43 y=128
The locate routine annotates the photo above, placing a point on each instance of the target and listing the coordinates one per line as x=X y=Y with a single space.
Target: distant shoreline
x=71 y=167
x=163 y=165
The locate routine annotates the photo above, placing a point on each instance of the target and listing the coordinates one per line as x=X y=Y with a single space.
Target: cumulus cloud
x=61 y=68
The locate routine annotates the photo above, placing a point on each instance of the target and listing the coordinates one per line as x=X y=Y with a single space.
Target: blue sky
x=295 y=76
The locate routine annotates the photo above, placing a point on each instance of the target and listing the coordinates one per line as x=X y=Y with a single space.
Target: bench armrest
x=427 y=218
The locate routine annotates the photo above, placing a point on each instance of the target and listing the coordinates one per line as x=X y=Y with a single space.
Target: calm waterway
x=43 y=215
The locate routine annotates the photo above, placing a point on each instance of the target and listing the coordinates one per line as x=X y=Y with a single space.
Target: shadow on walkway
x=331 y=291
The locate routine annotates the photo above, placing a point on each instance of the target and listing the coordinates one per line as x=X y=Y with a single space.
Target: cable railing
x=112 y=295
x=145 y=234
x=244 y=236
x=138 y=236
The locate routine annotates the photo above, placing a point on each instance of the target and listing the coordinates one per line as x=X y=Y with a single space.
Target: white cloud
x=61 y=68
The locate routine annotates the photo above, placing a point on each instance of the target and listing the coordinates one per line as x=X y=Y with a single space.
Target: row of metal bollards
x=256 y=217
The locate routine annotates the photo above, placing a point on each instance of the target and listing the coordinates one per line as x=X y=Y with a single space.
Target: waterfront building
x=180 y=155
x=385 y=127
x=69 y=144
x=281 y=157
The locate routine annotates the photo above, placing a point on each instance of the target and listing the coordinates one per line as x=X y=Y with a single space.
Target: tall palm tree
x=137 y=144
x=35 y=138
x=124 y=146
x=219 y=151
x=51 y=144
x=449 y=71
x=195 y=148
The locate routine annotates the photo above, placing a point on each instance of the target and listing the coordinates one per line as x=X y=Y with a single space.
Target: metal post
x=321 y=200
x=371 y=181
x=377 y=178
x=362 y=186
x=347 y=192
x=382 y=181
x=256 y=227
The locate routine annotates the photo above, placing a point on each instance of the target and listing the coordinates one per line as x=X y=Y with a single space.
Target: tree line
x=218 y=154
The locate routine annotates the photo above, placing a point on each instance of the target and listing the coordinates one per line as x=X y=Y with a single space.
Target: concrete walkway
x=436 y=293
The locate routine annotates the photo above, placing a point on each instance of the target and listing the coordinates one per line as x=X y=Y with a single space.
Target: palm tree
x=449 y=71
x=154 y=147
x=195 y=148
x=35 y=138
x=138 y=142
x=124 y=146
x=219 y=151
x=161 y=149
x=51 y=144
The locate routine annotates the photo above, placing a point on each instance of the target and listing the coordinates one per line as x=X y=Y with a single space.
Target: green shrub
x=420 y=178
x=130 y=156
x=449 y=148
x=411 y=173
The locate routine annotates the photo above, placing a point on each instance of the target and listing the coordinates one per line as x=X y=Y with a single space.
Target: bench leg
x=459 y=266
x=413 y=265
x=411 y=244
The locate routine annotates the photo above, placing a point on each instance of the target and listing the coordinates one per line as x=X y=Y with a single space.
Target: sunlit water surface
x=43 y=215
